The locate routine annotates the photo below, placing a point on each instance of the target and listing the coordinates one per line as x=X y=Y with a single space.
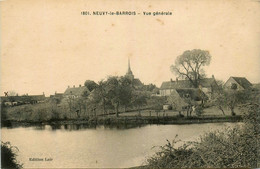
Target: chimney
x=73 y=86
x=213 y=76
x=171 y=79
x=80 y=85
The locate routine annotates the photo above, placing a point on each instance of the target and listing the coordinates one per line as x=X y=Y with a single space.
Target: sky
x=47 y=45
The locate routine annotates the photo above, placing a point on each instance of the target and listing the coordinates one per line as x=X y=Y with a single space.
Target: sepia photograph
x=130 y=84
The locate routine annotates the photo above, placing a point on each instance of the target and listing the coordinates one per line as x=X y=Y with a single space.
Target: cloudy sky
x=47 y=45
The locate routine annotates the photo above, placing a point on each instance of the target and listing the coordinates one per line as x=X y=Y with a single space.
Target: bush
x=55 y=115
x=199 y=110
x=37 y=112
x=232 y=148
x=3 y=112
x=8 y=156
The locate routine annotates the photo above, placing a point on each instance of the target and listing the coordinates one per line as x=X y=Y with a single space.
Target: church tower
x=129 y=73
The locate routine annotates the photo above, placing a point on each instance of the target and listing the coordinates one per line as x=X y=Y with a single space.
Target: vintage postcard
x=130 y=84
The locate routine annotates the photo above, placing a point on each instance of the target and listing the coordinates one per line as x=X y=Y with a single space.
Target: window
x=234 y=86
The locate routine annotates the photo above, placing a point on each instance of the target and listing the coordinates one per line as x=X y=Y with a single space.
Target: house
x=24 y=99
x=168 y=87
x=180 y=98
x=238 y=83
x=207 y=85
x=37 y=98
x=57 y=96
x=76 y=92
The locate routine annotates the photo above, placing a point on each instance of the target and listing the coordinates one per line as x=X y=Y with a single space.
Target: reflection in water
x=96 y=146
x=72 y=127
x=40 y=127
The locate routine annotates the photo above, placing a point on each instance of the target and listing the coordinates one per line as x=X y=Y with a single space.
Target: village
x=130 y=84
x=127 y=96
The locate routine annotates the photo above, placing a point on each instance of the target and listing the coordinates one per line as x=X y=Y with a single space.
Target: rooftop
x=242 y=81
x=206 y=82
x=76 y=90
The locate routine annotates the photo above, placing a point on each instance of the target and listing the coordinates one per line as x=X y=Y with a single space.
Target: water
x=77 y=146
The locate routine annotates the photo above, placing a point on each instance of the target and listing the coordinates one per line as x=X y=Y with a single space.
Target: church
x=135 y=81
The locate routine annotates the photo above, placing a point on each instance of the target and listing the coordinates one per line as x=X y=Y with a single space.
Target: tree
x=100 y=96
x=55 y=101
x=234 y=98
x=113 y=91
x=139 y=100
x=156 y=103
x=219 y=100
x=12 y=93
x=190 y=64
x=70 y=101
x=119 y=92
x=190 y=103
x=90 y=84
x=156 y=91
x=150 y=87
x=125 y=90
x=231 y=99
x=80 y=103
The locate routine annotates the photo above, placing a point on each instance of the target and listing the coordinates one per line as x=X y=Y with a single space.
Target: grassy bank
x=46 y=113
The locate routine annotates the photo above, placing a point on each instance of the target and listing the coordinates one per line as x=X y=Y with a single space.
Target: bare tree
x=12 y=93
x=220 y=101
x=190 y=64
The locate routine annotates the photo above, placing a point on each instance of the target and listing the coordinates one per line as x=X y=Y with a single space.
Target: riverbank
x=127 y=120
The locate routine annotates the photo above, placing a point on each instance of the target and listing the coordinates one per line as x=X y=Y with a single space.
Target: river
x=79 y=146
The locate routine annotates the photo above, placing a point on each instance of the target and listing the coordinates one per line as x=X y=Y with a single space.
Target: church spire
x=129 y=67
x=129 y=73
